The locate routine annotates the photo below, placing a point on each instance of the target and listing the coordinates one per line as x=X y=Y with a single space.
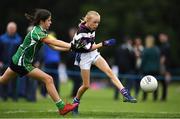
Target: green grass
x=96 y=104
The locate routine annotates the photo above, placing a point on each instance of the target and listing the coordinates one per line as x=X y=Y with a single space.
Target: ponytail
x=29 y=17
x=38 y=15
x=82 y=21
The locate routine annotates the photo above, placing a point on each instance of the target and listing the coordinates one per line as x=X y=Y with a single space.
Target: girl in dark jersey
x=21 y=63
x=87 y=54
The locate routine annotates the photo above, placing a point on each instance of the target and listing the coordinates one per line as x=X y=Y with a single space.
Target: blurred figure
x=51 y=60
x=138 y=49
x=150 y=62
x=62 y=71
x=165 y=63
x=1 y=64
x=31 y=84
x=73 y=71
x=27 y=86
x=10 y=42
x=125 y=60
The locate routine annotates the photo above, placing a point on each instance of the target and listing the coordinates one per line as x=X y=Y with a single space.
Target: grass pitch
x=96 y=104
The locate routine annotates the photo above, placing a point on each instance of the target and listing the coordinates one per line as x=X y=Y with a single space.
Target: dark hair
x=38 y=15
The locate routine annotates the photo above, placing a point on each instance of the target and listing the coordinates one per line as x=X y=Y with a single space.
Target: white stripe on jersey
x=32 y=43
x=88 y=46
x=85 y=35
x=37 y=35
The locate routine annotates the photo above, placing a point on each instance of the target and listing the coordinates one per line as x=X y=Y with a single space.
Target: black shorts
x=22 y=71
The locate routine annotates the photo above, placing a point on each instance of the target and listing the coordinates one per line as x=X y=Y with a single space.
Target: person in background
x=138 y=49
x=51 y=60
x=73 y=71
x=27 y=86
x=150 y=62
x=1 y=65
x=10 y=42
x=125 y=60
x=165 y=63
x=31 y=84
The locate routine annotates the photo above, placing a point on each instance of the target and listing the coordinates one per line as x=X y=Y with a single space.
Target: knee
x=86 y=87
x=49 y=80
x=2 y=81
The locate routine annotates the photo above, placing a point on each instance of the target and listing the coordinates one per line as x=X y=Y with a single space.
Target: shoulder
x=36 y=30
x=38 y=33
x=18 y=36
x=3 y=37
x=85 y=33
x=156 y=48
x=83 y=29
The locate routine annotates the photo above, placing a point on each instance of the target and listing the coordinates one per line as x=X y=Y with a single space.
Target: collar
x=82 y=26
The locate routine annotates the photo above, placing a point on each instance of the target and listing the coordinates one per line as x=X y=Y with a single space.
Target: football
x=148 y=83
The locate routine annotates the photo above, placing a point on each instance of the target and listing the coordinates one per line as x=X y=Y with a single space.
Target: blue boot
x=75 y=111
x=127 y=96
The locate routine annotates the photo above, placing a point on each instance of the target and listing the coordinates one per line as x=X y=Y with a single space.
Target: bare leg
x=8 y=74
x=85 y=74
x=102 y=65
x=48 y=80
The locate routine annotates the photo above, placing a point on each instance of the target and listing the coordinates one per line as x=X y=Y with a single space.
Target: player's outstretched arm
x=96 y=46
x=55 y=42
x=59 y=48
x=109 y=42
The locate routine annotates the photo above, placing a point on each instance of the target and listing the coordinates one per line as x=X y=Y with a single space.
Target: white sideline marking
x=25 y=111
x=50 y=110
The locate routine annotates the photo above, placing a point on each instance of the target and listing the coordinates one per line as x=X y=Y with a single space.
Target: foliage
x=118 y=17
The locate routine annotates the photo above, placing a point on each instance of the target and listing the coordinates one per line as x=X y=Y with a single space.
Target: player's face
x=47 y=23
x=93 y=22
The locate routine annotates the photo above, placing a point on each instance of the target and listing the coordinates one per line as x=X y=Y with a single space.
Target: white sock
x=58 y=101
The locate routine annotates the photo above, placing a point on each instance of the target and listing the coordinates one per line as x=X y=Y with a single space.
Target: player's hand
x=77 y=45
x=73 y=47
x=109 y=42
x=80 y=44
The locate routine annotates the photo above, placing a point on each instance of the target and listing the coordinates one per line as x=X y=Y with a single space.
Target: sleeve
x=37 y=36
